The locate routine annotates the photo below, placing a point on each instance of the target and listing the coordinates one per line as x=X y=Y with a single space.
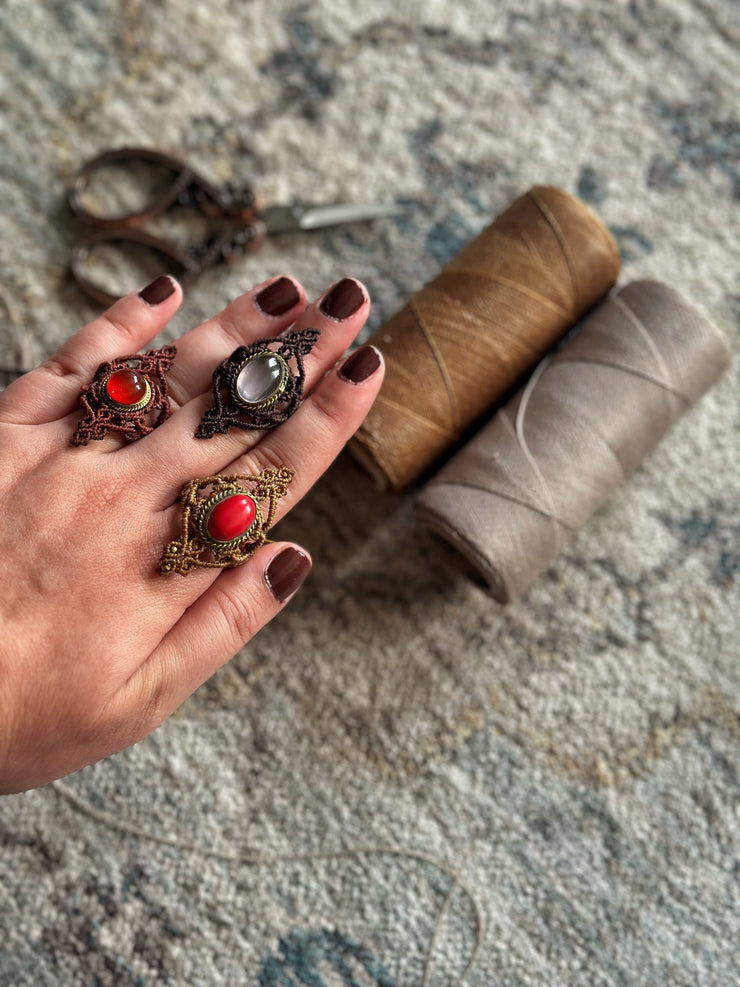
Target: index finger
x=52 y=390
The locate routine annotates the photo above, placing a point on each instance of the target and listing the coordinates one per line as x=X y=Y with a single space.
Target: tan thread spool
x=469 y=335
x=587 y=418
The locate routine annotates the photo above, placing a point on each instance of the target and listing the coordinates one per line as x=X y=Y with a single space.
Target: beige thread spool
x=587 y=418
x=469 y=335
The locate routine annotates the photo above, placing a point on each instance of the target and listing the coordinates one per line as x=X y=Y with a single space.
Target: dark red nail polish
x=278 y=297
x=156 y=292
x=285 y=573
x=342 y=300
x=360 y=365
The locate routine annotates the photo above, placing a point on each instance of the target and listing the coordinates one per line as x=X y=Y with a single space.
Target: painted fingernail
x=285 y=573
x=342 y=299
x=156 y=292
x=360 y=365
x=278 y=297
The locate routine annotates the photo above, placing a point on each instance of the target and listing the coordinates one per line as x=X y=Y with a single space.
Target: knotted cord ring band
x=255 y=387
x=124 y=396
x=225 y=520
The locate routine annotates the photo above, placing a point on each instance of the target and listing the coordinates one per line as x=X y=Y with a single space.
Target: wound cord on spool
x=585 y=420
x=464 y=340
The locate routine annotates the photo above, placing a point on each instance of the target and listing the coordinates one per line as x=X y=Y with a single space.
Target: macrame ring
x=123 y=396
x=256 y=387
x=225 y=520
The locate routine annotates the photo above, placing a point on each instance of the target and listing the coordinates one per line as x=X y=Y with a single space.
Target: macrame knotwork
x=127 y=395
x=256 y=386
x=225 y=519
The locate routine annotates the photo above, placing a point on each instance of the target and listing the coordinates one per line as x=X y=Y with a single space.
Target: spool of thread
x=463 y=341
x=585 y=420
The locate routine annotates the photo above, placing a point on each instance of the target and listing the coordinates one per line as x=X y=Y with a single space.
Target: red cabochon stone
x=231 y=517
x=126 y=386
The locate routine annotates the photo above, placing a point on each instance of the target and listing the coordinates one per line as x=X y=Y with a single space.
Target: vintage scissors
x=241 y=224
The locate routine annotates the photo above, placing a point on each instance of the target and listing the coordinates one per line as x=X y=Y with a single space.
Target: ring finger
x=265 y=312
x=338 y=315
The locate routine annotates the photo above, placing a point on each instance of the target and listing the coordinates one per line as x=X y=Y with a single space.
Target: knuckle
x=154 y=698
x=177 y=390
x=154 y=711
x=330 y=417
x=237 y=616
x=231 y=327
x=266 y=455
x=118 y=326
x=275 y=456
x=64 y=364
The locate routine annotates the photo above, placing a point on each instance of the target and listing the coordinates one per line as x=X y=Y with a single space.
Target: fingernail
x=285 y=573
x=156 y=292
x=342 y=300
x=360 y=365
x=278 y=297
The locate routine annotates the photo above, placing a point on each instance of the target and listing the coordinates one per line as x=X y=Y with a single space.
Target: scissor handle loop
x=189 y=267
x=187 y=186
x=191 y=260
x=182 y=177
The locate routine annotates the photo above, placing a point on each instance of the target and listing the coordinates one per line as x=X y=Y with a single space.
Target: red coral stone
x=231 y=517
x=126 y=386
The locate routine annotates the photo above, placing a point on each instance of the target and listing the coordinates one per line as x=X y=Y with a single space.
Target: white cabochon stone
x=260 y=378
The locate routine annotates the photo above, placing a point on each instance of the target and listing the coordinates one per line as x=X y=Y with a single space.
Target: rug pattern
x=400 y=783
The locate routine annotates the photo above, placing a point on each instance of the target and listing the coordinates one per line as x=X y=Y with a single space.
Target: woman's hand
x=97 y=646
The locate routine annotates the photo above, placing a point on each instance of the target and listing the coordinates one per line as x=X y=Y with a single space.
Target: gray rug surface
x=400 y=783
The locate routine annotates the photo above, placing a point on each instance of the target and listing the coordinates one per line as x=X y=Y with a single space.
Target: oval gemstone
x=231 y=517
x=126 y=386
x=261 y=378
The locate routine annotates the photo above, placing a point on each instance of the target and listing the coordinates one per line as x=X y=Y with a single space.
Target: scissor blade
x=287 y=219
x=318 y=216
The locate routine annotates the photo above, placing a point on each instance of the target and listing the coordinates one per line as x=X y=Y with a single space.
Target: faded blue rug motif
x=400 y=783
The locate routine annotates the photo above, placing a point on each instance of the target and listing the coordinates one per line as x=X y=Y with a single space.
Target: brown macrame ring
x=140 y=385
x=225 y=520
x=270 y=405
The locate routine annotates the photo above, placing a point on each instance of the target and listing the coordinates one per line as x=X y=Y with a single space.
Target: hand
x=98 y=647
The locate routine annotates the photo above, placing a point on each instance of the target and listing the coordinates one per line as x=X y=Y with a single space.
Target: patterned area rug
x=400 y=783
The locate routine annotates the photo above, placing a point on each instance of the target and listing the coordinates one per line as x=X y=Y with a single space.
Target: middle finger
x=266 y=310
x=338 y=315
x=263 y=312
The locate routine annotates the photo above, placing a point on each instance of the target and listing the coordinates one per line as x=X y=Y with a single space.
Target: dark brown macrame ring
x=241 y=403
x=212 y=540
x=141 y=412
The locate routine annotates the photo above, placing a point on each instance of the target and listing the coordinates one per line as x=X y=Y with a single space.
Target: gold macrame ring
x=225 y=519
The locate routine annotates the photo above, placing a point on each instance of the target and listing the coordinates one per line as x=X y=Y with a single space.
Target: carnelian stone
x=126 y=386
x=231 y=517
